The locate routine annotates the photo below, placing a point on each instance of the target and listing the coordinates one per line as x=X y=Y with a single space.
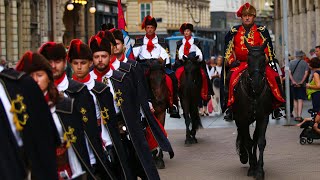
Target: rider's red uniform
x=237 y=50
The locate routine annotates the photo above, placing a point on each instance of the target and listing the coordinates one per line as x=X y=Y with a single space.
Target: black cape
x=130 y=110
x=137 y=77
x=39 y=134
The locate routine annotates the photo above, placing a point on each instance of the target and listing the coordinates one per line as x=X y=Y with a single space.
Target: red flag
x=121 y=20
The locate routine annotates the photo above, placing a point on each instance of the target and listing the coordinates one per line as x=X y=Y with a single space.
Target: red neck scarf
x=47 y=97
x=150 y=45
x=122 y=58
x=101 y=74
x=60 y=79
x=86 y=79
x=187 y=46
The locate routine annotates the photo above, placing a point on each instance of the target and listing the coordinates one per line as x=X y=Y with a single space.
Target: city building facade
x=303 y=26
x=170 y=14
x=26 y=24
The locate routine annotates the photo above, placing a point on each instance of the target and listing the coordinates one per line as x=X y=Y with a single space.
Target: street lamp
x=70 y=7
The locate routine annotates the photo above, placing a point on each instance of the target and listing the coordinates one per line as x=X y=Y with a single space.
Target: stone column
x=12 y=32
x=26 y=32
x=310 y=27
x=303 y=33
x=43 y=21
x=296 y=28
x=2 y=30
x=317 y=21
x=81 y=24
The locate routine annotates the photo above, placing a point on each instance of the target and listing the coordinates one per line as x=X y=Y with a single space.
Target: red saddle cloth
x=152 y=142
x=204 y=87
x=271 y=78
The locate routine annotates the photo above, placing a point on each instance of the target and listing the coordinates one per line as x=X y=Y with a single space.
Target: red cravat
x=150 y=45
x=100 y=74
x=122 y=58
x=60 y=79
x=187 y=46
x=86 y=79
x=47 y=97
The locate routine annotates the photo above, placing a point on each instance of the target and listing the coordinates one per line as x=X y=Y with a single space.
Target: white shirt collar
x=116 y=64
x=90 y=84
x=125 y=60
x=191 y=40
x=64 y=84
x=1 y=68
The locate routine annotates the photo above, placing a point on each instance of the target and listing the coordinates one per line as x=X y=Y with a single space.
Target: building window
x=145 y=9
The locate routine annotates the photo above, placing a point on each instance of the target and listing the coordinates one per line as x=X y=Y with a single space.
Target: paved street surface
x=214 y=157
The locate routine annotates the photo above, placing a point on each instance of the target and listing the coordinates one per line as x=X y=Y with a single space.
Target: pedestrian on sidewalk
x=298 y=74
x=313 y=88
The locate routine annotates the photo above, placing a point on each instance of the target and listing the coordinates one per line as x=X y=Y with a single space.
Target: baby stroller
x=308 y=134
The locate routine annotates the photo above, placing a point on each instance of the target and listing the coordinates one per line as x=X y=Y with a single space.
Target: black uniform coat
x=39 y=134
x=138 y=79
x=105 y=101
x=70 y=119
x=130 y=109
x=85 y=107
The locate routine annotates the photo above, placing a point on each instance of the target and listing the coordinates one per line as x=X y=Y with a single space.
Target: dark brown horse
x=159 y=89
x=189 y=93
x=253 y=103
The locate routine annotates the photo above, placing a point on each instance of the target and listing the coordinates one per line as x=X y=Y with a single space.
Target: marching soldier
x=155 y=133
x=84 y=105
x=80 y=57
x=236 y=54
x=126 y=106
x=72 y=155
x=152 y=47
x=27 y=130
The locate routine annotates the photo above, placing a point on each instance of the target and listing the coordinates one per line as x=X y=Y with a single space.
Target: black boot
x=228 y=117
x=174 y=111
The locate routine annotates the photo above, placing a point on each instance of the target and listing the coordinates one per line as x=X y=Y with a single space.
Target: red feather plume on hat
x=247 y=7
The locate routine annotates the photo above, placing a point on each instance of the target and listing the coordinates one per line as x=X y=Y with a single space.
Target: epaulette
x=133 y=63
x=74 y=86
x=139 y=42
x=125 y=67
x=12 y=74
x=118 y=76
x=99 y=87
x=261 y=28
x=234 y=29
x=65 y=105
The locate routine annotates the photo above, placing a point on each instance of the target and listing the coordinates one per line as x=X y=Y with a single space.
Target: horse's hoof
x=259 y=175
x=188 y=142
x=251 y=172
x=159 y=163
x=243 y=156
x=194 y=140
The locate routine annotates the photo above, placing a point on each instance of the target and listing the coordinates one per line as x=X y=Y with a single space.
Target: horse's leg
x=253 y=160
x=187 y=121
x=196 y=121
x=262 y=128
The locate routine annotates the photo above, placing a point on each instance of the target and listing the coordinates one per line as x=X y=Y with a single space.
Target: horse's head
x=256 y=64
x=156 y=64
x=191 y=63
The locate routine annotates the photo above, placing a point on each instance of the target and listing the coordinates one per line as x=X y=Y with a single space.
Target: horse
x=159 y=89
x=189 y=93
x=253 y=103
x=159 y=98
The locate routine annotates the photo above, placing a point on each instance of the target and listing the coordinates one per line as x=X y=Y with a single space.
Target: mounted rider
x=186 y=47
x=153 y=47
x=236 y=56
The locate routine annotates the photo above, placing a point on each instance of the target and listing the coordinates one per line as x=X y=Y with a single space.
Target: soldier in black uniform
x=80 y=57
x=127 y=108
x=27 y=132
x=83 y=102
x=72 y=155
x=155 y=132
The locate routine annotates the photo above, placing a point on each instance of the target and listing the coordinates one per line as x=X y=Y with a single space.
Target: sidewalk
x=217 y=121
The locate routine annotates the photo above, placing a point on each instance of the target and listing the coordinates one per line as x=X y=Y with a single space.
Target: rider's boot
x=276 y=112
x=174 y=110
x=228 y=116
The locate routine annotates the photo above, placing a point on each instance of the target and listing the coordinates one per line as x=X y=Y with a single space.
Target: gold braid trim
x=270 y=55
x=229 y=50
